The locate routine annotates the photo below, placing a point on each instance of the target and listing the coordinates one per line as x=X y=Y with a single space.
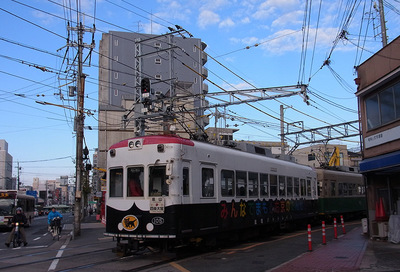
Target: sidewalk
x=90 y=229
x=351 y=252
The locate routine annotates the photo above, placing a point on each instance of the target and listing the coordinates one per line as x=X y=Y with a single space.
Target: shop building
x=378 y=93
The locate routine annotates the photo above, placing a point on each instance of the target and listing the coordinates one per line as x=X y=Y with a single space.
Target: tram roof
x=155 y=139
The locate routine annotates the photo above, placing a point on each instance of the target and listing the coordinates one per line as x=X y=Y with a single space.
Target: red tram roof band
x=155 y=139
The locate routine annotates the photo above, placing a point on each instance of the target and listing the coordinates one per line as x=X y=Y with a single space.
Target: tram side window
x=303 y=187
x=135 y=181
x=264 y=185
x=351 y=188
x=273 y=183
x=157 y=184
x=207 y=182
x=227 y=183
x=253 y=184
x=308 y=187
x=241 y=183
x=343 y=189
x=289 y=187
x=116 y=182
x=333 y=188
x=360 y=189
x=282 y=186
x=324 y=185
x=296 y=187
x=185 y=181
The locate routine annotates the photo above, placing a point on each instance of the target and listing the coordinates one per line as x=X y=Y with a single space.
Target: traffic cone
x=380 y=214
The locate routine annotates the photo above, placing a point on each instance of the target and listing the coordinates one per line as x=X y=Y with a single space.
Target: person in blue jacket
x=53 y=214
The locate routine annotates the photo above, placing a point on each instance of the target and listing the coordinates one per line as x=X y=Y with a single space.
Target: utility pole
x=79 y=122
x=282 y=131
x=383 y=23
x=18 y=178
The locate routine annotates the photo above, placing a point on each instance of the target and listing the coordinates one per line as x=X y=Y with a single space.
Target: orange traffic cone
x=380 y=214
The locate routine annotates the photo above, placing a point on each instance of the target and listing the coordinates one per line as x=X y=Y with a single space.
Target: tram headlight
x=112 y=152
x=150 y=227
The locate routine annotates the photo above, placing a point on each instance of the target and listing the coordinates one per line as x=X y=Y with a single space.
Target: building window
x=115 y=75
x=157 y=61
x=115 y=42
x=195 y=80
x=115 y=92
x=158 y=77
x=383 y=107
x=194 y=48
x=116 y=58
x=157 y=45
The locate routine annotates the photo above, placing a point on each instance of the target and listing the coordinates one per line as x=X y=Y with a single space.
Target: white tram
x=171 y=188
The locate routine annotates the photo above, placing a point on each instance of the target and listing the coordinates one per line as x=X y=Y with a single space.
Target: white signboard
x=157 y=205
x=382 y=137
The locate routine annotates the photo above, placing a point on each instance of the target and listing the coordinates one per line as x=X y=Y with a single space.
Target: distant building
x=318 y=155
x=175 y=68
x=6 y=162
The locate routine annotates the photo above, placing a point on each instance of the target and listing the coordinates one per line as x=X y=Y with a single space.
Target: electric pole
x=383 y=23
x=282 y=131
x=79 y=121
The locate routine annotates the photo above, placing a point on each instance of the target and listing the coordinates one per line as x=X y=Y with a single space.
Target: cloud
x=246 y=40
x=207 y=17
x=289 y=40
x=153 y=28
x=294 y=17
x=245 y=20
x=270 y=7
x=227 y=23
x=44 y=18
x=237 y=86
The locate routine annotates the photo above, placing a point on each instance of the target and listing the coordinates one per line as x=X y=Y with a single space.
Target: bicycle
x=56 y=227
x=17 y=241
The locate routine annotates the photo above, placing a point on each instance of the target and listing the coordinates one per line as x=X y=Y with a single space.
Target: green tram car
x=340 y=193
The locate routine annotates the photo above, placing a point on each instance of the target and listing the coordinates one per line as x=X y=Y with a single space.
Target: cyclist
x=20 y=218
x=53 y=214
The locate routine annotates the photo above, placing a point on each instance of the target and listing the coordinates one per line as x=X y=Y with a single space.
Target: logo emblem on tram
x=130 y=222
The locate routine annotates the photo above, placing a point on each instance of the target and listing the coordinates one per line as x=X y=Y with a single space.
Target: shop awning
x=390 y=161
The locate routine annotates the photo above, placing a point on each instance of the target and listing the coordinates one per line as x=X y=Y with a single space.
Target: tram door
x=186 y=183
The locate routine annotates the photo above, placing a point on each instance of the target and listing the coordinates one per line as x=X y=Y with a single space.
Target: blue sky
x=33 y=38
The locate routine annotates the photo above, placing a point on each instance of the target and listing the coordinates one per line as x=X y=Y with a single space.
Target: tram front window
x=135 y=181
x=116 y=182
x=157 y=184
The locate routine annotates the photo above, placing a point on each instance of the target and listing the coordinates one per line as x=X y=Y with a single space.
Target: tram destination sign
x=157 y=205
